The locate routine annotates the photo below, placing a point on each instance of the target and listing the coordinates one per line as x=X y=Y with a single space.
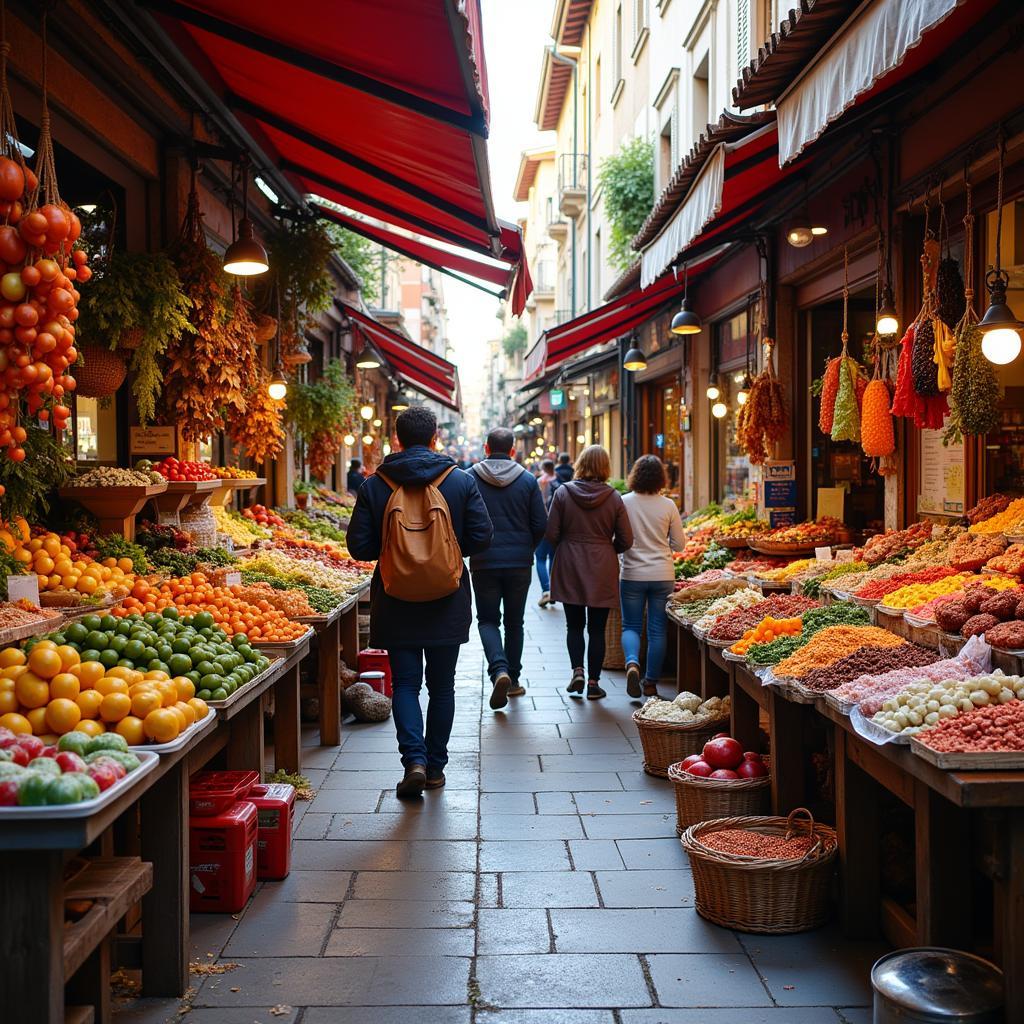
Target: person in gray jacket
x=502 y=573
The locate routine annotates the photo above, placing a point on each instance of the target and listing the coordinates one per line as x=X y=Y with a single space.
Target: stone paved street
x=544 y=885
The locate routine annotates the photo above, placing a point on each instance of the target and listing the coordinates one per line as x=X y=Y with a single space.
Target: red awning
x=418 y=367
x=612 y=320
x=506 y=275
x=381 y=107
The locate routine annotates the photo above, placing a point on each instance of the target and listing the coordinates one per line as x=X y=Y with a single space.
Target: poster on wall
x=779 y=482
x=943 y=476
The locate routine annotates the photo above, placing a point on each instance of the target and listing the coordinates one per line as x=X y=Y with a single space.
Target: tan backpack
x=420 y=557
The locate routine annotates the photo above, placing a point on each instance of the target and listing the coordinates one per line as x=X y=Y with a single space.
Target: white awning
x=698 y=209
x=868 y=47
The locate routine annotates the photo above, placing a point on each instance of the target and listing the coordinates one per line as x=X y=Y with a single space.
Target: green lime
x=151 y=619
x=92 y=621
x=90 y=654
x=205 y=694
x=194 y=676
x=125 y=663
x=76 y=633
x=219 y=694
x=203 y=620
x=170 y=613
x=109 y=658
x=117 y=643
x=211 y=681
x=108 y=623
x=96 y=640
x=134 y=650
x=239 y=639
x=124 y=628
x=156 y=665
x=179 y=664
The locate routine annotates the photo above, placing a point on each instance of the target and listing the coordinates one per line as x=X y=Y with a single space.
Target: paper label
x=233 y=579
x=153 y=440
x=846 y=555
x=23 y=587
x=823 y=554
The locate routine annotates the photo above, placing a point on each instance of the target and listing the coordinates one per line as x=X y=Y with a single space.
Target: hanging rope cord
x=46 y=170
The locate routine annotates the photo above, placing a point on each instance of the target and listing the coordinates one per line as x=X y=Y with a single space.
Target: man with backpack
x=564 y=470
x=502 y=573
x=419 y=516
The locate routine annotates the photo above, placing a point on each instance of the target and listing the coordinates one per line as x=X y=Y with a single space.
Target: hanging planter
x=101 y=373
x=298 y=356
x=266 y=328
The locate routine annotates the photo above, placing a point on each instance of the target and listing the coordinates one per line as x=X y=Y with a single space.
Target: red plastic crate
x=214 y=792
x=275 y=808
x=222 y=859
x=373 y=659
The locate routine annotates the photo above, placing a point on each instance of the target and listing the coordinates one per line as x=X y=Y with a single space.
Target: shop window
x=1004 y=448
x=841 y=463
x=96 y=430
x=734 y=349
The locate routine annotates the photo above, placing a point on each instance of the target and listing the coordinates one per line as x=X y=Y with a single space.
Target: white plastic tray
x=176 y=744
x=147 y=762
x=219 y=705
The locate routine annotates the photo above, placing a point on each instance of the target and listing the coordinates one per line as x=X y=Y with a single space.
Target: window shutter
x=742 y=36
x=617 y=44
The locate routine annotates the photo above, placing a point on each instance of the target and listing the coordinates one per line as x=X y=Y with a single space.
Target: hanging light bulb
x=634 y=360
x=719 y=409
x=366 y=412
x=367 y=439
x=887 y=320
x=1000 y=337
x=377 y=422
x=713 y=390
x=277 y=387
x=245 y=256
x=800 y=233
x=744 y=391
x=349 y=439
x=401 y=402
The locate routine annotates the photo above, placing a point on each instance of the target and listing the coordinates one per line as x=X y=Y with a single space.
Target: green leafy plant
x=29 y=485
x=300 y=253
x=304 y=487
x=137 y=292
x=327 y=404
x=515 y=341
x=627 y=179
x=365 y=258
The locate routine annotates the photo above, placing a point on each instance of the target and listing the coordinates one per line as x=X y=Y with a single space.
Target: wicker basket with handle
x=768 y=897
x=614 y=655
x=665 y=743
x=701 y=799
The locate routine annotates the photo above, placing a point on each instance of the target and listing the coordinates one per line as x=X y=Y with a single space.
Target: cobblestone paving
x=543 y=885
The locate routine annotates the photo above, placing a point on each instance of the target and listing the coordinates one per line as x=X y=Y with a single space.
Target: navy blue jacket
x=395 y=623
x=514 y=501
x=564 y=473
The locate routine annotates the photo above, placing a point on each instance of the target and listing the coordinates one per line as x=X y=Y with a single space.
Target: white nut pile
x=729 y=603
x=923 y=703
x=686 y=708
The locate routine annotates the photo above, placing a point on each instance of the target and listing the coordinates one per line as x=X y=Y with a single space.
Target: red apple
x=752 y=770
x=701 y=768
x=723 y=773
x=103 y=775
x=750 y=755
x=692 y=759
x=723 y=752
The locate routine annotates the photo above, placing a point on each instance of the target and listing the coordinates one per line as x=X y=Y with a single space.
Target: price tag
x=233 y=579
x=846 y=555
x=823 y=554
x=23 y=587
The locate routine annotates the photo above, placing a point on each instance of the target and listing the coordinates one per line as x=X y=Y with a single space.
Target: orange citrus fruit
x=89 y=701
x=144 y=701
x=187 y=710
x=68 y=656
x=62 y=715
x=162 y=725
x=186 y=688
x=37 y=719
x=8 y=701
x=12 y=656
x=112 y=684
x=46 y=663
x=32 y=691
x=131 y=728
x=90 y=727
x=89 y=672
x=15 y=722
x=115 y=706
x=64 y=684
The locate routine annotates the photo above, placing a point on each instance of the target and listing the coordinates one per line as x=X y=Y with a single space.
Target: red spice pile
x=882 y=587
x=991 y=728
x=742 y=843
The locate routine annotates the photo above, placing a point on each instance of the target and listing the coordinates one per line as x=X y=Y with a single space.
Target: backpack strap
x=387 y=481
x=437 y=481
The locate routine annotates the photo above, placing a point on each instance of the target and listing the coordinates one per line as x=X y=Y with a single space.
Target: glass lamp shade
x=277 y=388
x=713 y=391
x=1000 y=346
x=686 y=321
x=245 y=256
x=719 y=409
x=367 y=361
x=367 y=439
x=635 y=360
x=366 y=412
x=741 y=397
x=887 y=320
x=799 y=233
x=349 y=440
x=1000 y=337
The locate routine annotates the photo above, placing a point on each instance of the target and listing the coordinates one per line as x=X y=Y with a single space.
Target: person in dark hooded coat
x=430 y=632
x=588 y=528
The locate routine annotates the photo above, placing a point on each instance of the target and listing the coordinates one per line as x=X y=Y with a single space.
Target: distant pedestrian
x=564 y=472
x=588 y=528
x=356 y=477
x=502 y=573
x=648 y=572
x=419 y=516
x=545 y=553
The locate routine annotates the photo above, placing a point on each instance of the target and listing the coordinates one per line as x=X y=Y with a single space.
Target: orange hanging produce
x=877 y=437
x=829 y=390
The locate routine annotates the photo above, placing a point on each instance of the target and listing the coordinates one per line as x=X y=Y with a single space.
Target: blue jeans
x=635 y=594
x=406 y=681
x=545 y=556
x=496 y=589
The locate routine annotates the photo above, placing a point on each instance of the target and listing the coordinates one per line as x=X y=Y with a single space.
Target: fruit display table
x=35 y=944
x=114 y=507
x=228 y=487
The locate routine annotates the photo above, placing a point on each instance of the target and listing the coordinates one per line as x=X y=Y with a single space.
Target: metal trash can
x=932 y=985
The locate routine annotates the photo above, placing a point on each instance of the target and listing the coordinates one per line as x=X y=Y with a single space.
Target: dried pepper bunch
x=829 y=390
x=877 y=436
x=259 y=431
x=762 y=422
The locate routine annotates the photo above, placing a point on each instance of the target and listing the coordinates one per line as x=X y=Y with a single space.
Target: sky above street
x=515 y=34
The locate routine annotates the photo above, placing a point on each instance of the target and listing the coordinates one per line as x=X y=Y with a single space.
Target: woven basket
x=699 y=799
x=665 y=743
x=266 y=328
x=130 y=339
x=614 y=656
x=101 y=373
x=768 y=897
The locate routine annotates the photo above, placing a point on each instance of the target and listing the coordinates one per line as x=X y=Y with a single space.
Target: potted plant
x=304 y=492
x=135 y=303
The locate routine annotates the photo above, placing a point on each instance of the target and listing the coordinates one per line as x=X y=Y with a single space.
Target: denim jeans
x=495 y=588
x=579 y=617
x=406 y=681
x=635 y=594
x=545 y=556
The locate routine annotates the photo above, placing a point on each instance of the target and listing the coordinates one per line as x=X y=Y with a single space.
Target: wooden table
x=687 y=656
x=33 y=854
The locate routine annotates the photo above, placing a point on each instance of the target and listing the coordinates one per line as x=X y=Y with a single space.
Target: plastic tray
x=981 y=760
x=729 y=656
x=220 y=705
x=147 y=762
x=285 y=647
x=181 y=740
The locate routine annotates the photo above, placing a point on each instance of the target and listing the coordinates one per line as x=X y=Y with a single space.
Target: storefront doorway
x=662 y=402
x=734 y=352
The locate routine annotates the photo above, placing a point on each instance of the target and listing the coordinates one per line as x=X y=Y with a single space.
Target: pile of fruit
x=729 y=628
x=741 y=529
x=879 y=589
x=336 y=577
x=725 y=759
x=263 y=515
x=216 y=606
x=233 y=473
x=767 y=630
x=972 y=550
x=66 y=577
x=78 y=768
x=1010 y=561
x=243 y=530
x=171 y=469
x=1010 y=521
x=913 y=595
x=784 y=573
x=893 y=543
x=807 y=534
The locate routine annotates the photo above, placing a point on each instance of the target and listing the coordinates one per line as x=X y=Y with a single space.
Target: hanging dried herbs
x=974 y=398
x=949 y=293
x=762 y=422
x=846 y=422
x=259 y=431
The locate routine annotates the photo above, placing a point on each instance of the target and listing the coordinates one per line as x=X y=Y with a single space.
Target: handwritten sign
x=154 y=440
x=233 y=579
x=846 y=555
x=823 y=554
x=23 y=588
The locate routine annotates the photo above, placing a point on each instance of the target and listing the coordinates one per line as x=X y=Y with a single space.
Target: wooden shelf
x=113 y=884
x=115 y=507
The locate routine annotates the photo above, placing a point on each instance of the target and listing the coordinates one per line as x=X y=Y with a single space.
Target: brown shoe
x=435 y=783
x=413 y=783
x=517 y=690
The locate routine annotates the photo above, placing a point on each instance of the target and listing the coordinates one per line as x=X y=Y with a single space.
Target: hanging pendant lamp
x=686 y=321
x=245 y=256
x=635 y=360
x=1000 y=329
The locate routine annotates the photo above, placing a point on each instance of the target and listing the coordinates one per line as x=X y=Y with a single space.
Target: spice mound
x=114 y=476
x=743 y=843
x=868 y=660
x=686 y=709
x=833 y=643
x=731 y=627
x=986 y=729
